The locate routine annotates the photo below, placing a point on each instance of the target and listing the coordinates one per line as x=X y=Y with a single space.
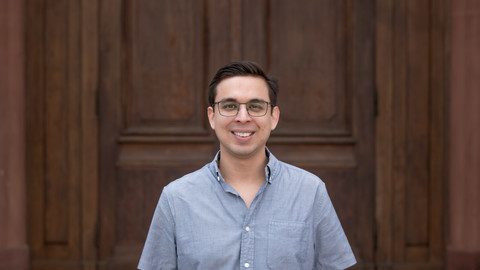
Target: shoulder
x=297 y=175
x=290 y=180
x=194 y=181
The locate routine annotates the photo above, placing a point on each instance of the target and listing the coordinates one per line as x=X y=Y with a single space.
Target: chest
x=224 y=233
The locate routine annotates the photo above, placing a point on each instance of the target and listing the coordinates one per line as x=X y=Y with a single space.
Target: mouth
x=243 y=134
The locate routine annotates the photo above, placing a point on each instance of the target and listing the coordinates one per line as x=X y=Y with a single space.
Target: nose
x=242 y=115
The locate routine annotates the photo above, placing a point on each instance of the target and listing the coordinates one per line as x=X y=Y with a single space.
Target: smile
x=243 y=134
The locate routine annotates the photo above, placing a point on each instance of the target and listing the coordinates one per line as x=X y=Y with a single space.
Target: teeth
x=243 y=134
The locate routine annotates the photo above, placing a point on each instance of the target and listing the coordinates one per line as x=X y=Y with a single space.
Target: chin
x=243 y=151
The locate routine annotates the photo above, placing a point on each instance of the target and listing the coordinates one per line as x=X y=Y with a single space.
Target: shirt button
x=247 y=265
x=247 y=229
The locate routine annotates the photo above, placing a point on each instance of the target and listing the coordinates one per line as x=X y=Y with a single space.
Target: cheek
x=219 y=124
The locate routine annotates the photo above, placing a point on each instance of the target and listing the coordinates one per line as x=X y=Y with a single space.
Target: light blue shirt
x=202 y=223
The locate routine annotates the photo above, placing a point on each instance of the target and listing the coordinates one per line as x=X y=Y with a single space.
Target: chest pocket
x=287 y=245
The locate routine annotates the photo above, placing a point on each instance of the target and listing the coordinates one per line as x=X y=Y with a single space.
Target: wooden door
x=156 y=59
x=143 y=57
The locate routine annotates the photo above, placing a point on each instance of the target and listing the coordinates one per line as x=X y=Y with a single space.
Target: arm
x=159 y=252
x=332 y=250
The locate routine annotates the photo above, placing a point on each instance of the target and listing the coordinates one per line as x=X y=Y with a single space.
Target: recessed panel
x=307 y=49
x=138 y=190
x=165 y=67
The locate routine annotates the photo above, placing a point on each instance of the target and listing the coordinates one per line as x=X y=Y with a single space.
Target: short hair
x=242 y=68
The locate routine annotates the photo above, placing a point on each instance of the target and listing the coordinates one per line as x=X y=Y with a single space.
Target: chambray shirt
x=201 y=222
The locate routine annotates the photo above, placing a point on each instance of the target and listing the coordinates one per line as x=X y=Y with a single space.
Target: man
x=245 y=209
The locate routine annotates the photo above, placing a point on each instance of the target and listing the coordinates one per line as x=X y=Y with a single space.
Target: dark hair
x=242 y=68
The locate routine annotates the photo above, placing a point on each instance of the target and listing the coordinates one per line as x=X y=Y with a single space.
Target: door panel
x=164 y=68
x=308 y=51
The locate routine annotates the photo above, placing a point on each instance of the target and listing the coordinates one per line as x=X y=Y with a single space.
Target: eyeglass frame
x=240 y=103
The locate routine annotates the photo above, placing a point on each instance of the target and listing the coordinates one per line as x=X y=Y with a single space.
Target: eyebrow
x=251 y=100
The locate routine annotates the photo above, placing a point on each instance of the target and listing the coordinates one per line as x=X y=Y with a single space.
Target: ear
x=211 y=117
x=275 y=116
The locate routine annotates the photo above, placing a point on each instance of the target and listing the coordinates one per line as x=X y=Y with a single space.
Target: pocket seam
x=285 y=227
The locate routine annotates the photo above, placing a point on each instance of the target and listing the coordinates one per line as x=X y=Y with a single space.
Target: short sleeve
x=159 y=252
x=332 y=250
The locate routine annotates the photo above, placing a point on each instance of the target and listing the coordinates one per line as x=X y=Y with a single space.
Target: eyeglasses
x=255 y=108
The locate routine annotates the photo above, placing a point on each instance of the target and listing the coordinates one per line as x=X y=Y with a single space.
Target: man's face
x=243 y=136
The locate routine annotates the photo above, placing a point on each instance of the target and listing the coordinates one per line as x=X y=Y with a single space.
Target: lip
x=242 y=135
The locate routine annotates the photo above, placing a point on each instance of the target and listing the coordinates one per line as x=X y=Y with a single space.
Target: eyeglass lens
x=254 y=108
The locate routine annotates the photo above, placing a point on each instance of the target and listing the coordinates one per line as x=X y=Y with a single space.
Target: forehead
x=243 y=88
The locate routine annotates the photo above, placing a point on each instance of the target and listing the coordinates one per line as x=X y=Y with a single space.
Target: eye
x=229 y=106
x=256 y=106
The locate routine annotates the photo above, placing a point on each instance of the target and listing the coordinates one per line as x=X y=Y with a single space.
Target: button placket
x=248 y=237
x=247 y=248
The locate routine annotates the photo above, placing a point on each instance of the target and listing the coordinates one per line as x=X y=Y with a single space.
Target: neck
x=251 y=169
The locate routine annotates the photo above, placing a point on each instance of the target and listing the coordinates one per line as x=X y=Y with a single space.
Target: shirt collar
x=270 y=169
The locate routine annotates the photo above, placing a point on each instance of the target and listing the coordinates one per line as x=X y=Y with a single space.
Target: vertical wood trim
x=396 y=62
x=399 y=128
x=56 y=124
x=236 y=29
x=61 y=85
x=110 y=87
x=89 y=131
x=13 y=218
x=73 y=88
x=384 y=133
x=362 y=84
x=464 y=132
x=35 y=121
x=438 y=140
x=417 y=131
x=56 y=222
x=62 y=126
